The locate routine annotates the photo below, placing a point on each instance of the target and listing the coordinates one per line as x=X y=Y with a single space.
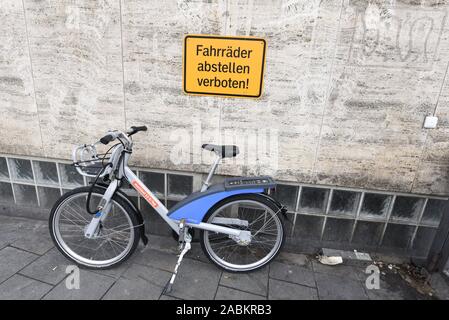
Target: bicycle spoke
x=112 y=240
x=263 y=225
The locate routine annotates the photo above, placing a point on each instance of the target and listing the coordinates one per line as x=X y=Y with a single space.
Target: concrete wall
x=347 y=86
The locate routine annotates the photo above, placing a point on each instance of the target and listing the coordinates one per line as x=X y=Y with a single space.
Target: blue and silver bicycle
x=98 y=226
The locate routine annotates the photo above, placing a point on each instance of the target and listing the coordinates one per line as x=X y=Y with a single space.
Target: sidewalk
x=31 y=268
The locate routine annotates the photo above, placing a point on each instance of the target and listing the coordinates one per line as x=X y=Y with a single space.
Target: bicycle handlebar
x=107 y=138
x=112 y=135
x=135 y=129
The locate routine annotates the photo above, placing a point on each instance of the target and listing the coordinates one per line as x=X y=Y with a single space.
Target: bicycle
x=240 y=224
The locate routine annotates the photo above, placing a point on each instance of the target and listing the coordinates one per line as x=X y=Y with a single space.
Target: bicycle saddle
x=223 y=151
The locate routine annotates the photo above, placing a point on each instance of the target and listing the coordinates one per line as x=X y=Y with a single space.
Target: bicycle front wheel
x=117 y=237
x=262 y=219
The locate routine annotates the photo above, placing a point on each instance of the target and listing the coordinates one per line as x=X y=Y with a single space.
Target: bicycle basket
x=88 y=162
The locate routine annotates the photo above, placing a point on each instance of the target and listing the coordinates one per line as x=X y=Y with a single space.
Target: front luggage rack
x=88 y=162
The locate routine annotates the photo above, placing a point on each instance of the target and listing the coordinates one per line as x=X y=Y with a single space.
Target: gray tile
x=13 y=229
x=308 y=227
x=440 y=285
x=25 y=195
x=292 y=273
x=21 y=170
x=92 y=287
x=375 y=205
x=407 y=208
x=46 y=172
x=335 y=287
x=286 y=195
x=139 y=283
x=12 y=260
x=367 y=233
x=48 y=196
x=298 y=259
x=8 y=234
x=38 y=240
x=4 y=174
x=117 y=271
x=313 y=200
x=397 y=236
x=49 y=268
x=196 y=281
x=69 y=176
x=6 y=195
x=434 y=212
x=153 y=180
x=165 y=297
x=156 y=258
x=423 y=241
x=342 y=270
x=344 y=202
x=225 y=293
x=22 y=288
x=280 y=290
x=149 y=274
x=384 y=294
x=127 y=289
x=179 y=184
x=254 y=282
x=393 y=287
x=338 y=230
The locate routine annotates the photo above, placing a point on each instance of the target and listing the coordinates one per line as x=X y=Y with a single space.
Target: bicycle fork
x=102 y=211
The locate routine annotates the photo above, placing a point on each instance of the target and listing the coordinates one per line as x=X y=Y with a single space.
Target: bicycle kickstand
x=186 y=239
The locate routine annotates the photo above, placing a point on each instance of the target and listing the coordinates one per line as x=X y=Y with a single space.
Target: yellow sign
x=226 y=66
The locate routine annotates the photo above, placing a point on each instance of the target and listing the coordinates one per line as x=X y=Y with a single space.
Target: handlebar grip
x=107 y=138
x=135 y=129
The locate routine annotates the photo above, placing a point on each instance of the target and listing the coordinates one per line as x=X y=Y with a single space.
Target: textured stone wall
x=347 y=86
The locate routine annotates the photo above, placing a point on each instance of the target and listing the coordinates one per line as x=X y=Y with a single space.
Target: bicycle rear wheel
x=117 y=239
x=267 y=233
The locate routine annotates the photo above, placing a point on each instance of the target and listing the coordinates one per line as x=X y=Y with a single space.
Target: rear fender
x=195 y=208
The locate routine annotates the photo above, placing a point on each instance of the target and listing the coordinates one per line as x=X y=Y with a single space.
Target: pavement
x=32 y=268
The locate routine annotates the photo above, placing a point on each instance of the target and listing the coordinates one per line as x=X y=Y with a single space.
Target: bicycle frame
x=119 y=160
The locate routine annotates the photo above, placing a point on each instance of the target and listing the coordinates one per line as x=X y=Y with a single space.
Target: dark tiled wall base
x=317 y=216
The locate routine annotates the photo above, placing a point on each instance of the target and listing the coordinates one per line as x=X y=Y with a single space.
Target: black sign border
x=229 y=38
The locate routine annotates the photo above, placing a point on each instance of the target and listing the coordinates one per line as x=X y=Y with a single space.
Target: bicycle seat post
x=211 y=173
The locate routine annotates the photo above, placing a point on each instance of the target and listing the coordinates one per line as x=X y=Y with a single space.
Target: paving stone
x=281 y=290
x=196 y=281
x=13 y=260
x=92 y=287
x=13 y=229
x=139 y=282
x=349 y=272
x=37 y=240
x=165 y=297
x=440 y=285
x=155 y=258
x=49 y=268
x=337 y=287
x=169 y=246
x=295 y=259
x=253 y=282
x=127 y=289
x=22 y=288
x=117 y=271
x=292 y=273
x=225 y=293
x=391 y=287
x=7 y=235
